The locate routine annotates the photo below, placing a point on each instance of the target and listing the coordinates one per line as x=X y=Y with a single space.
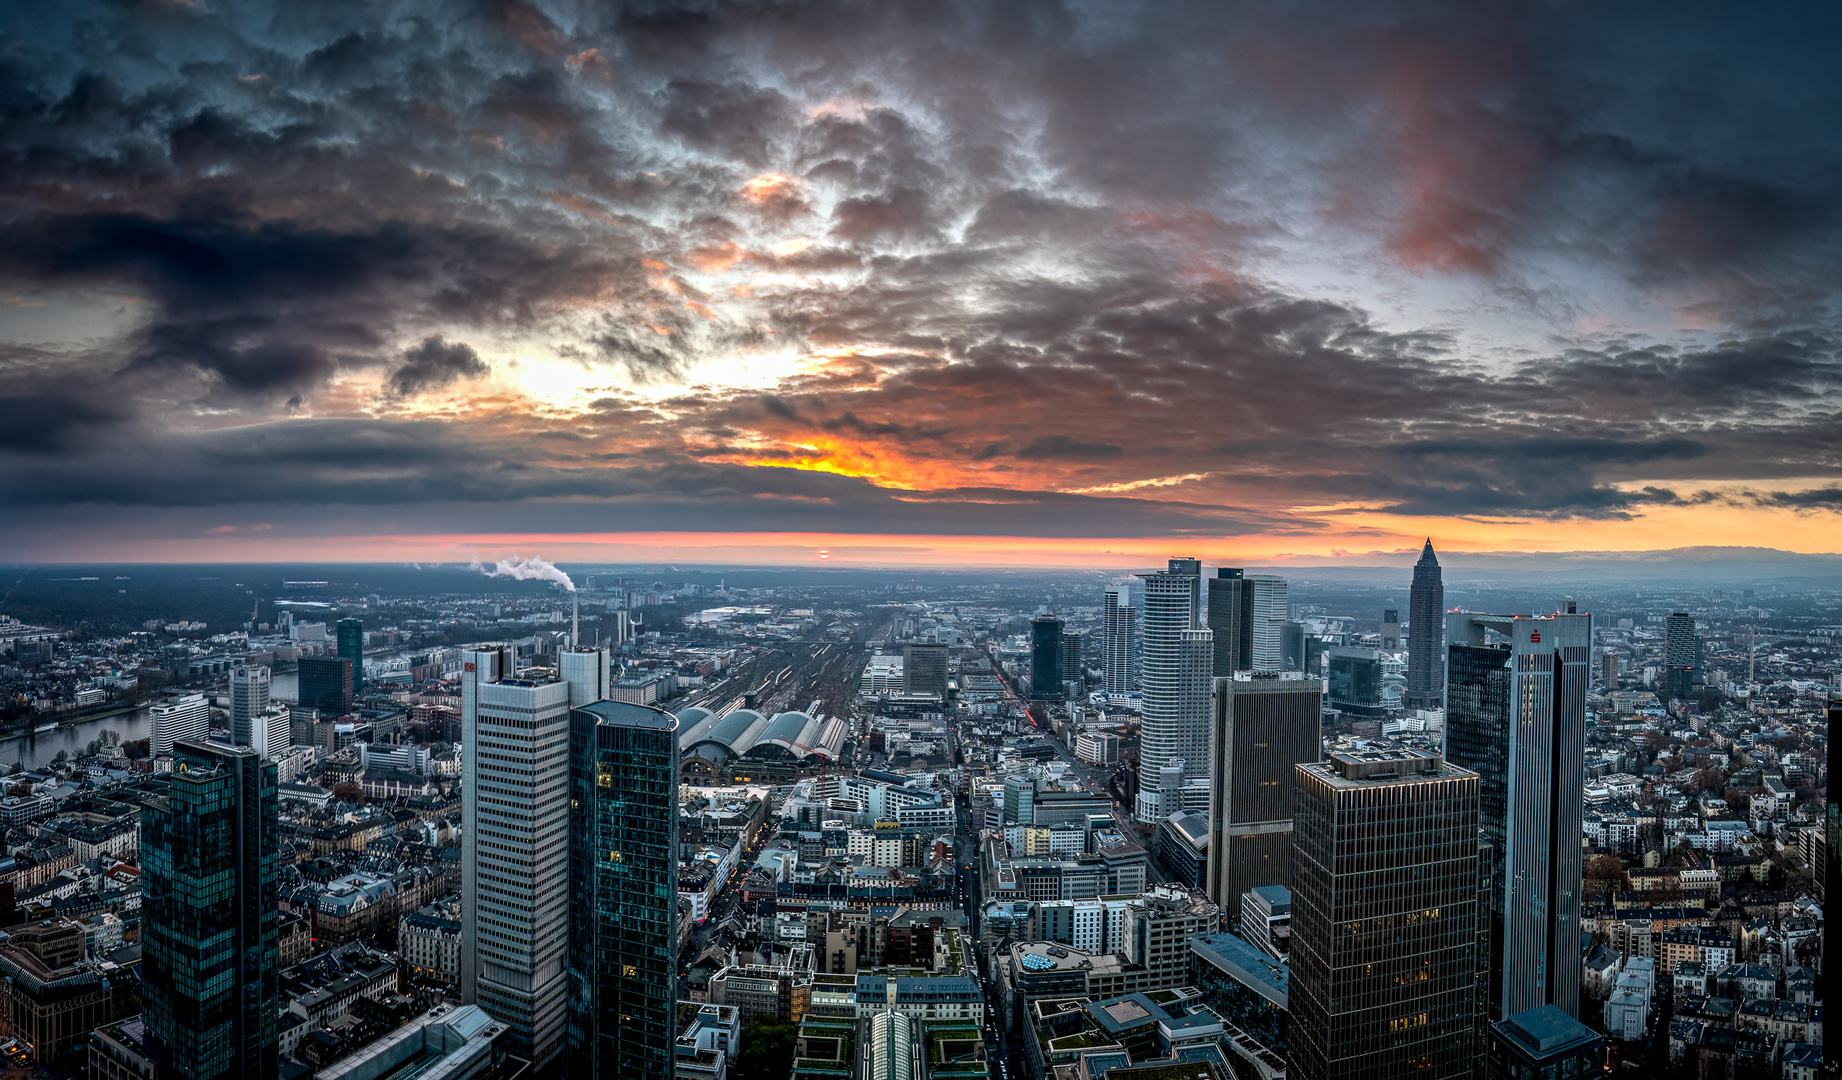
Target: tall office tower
x=1074 y=659
x=1019 y=800
x=589 y=673
x=1384 y=912
x=1264 y=726
x=184 y=716
x=1119 y=622
x=1169 y=611
x=924 y=668
x=1229 y=611
x=1516 y=715
x=210 y=879
x=1426 y=634
x=326 y=684
x=1608 y=673
x=1391 y=628
x=1045 y=658
x=1681 y=655
x=249 y=695
x=1197 y=673
x=623 y=868
x=1267 y=651
x=1356 y=682
x=514 y=848
x=350 y=636
x=1292 y=646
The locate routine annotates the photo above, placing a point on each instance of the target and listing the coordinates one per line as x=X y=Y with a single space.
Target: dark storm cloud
x=435 y=364
x=1041 y=239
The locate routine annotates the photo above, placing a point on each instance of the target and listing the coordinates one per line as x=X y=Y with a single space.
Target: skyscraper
x=350 y=634
x=1229 y=611
x=1045 y=658
x=184 y=716
x=924 y=668
x=1171 y=597
x=1515 y=698
x=1681 y=652
x=210 y=874
x=623 y=860
x=1074 y=659
x=1384 y=906
x=255 y=721
x=1264 y=726
x=514 y=848
x=1119 y=624
x=326 y=684
x=1426 y=634
x=1267 y=628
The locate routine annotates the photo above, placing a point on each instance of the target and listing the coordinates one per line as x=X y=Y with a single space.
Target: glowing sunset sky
x=934 y=283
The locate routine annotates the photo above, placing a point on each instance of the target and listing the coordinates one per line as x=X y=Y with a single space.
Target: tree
x=767 y=1050
x=136 y=749
x=60 y=757
x=1605 y=875
x=348 y=791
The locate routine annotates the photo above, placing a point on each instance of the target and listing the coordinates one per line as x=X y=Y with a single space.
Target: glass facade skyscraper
x=1384 y=910
x=1119 y=624
x=1516 y=714
x=210 y=873
x=1229 y=611
x=326 y=684
x=1681 y=655
x=350 y=634
x=623 y=878
x=1046 y=657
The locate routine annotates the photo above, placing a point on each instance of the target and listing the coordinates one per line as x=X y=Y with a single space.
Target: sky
x=928 y=283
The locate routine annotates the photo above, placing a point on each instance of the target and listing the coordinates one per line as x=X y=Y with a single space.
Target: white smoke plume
x=531 y=569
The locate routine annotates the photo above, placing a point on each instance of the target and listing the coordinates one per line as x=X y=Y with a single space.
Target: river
x=38 y=749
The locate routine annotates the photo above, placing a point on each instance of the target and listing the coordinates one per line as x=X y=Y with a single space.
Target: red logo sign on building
x=469 y=667
x=1535 y=636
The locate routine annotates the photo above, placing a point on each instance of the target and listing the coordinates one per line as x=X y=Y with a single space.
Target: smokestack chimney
x=575 y=622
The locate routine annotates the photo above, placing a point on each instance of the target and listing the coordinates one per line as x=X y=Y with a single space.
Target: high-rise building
x=1384 y=907
x=514 y=848
x=1681 y=655
x=623 y=866
x=326 y=684
x=1426 y=634
x=183 y=716
x=1391 y=628
x=1197 y=687
x=1267 y=628
x=1046 y=658
x=1515 y=700
x=925 y=668
x=1608 y=669
x=350 y=645
x=1265 y=725
x=249 y=695
x=1356 y=681
x=1165 y=682
x=1543 y=1044
x=1292 y=646
x=589 y=673
x=1229 y=612
x=210 y=880
x=1119 y=624
x=1019 y=800
x=1074 y=659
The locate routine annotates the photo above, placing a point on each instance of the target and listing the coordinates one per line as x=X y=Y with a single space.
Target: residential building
x=1119 y=625
x=1384 y=909
x=1681 y=650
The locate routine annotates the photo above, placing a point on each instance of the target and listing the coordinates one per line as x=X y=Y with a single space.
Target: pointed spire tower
x=1426 y=634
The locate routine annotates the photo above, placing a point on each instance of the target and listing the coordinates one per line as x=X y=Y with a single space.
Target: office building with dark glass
x=1263 y=725
x=1543 y=1044
x=1228 y=609
x=1516 y=715
x=1384 y=911
x=325 y=683
x=1681 y=656
x=350 y=637
x=210 y=878
x=1046 y=658
x=623 y=869
x=925 y=667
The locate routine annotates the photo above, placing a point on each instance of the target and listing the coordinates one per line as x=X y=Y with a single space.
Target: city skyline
x=942 y=283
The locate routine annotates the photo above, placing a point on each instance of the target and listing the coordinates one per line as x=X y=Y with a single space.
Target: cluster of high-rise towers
x=1432 y=894
x=569 y=879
